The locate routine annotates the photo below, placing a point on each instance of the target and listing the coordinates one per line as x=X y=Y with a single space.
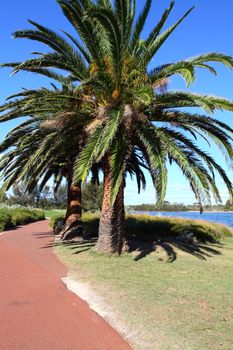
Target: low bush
x=54 y=219
x=5 y=221
x=10 y=217
x=90 y=222
x=150 y=228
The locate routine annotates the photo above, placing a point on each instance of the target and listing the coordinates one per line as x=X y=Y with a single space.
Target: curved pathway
x=37 y=312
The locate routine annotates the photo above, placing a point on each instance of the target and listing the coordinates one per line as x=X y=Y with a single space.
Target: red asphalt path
x=37 y=312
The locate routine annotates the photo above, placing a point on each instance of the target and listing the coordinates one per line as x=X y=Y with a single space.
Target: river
x=219 y=217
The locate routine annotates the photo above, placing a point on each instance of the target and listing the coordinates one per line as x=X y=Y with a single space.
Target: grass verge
x=171 y=298
x=52 y=214
x=151 y=228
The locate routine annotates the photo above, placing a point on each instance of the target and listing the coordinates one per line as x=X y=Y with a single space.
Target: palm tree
x=40 y=148
x=72 y=58
x=134 y=114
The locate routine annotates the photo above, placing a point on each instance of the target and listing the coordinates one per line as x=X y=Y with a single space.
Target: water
x=219 y=217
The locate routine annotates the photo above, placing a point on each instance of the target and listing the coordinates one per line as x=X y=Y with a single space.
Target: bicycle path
x=37 y=311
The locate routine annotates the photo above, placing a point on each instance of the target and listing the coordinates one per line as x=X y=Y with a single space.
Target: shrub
x=149 y=228
x=90 y=223
x=5 y=220
x=54 y=220
x=10 y=217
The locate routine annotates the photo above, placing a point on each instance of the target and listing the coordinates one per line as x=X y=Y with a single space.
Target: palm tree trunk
x=74 y=200
x=112 y=219
x=73 y=216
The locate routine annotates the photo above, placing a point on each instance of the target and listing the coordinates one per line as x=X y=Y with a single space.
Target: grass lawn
x=185 y=304
x=50 y=214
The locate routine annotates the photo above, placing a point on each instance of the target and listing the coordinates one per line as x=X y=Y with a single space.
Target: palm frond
x=97 y=145
x=154 y=42
x=208 y=103
x=156 y=157
x=139 y=25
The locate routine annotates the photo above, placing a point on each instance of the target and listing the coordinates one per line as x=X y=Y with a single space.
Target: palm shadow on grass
x=142 y=249
x=146 y=234
x=79 y=247
x=171 y=248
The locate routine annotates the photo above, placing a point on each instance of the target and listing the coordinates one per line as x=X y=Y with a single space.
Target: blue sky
x=208 y=28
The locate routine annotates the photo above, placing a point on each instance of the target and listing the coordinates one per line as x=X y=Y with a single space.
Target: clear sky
x=208 y=28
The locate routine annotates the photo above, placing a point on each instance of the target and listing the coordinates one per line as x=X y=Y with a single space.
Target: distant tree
x=60 y=196
x=228 y=205
x=45 y=198
x=22 y=197
x=46 y=193
x=37 y=198
x=92 y=197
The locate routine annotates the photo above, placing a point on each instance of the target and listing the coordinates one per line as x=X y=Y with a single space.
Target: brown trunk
x=112 y=219
x=74 y=199
x=74 y=211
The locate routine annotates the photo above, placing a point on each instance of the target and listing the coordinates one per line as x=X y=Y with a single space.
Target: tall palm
x=40 y=148
x=133 y=112
x=72 y=58
x=111 y=65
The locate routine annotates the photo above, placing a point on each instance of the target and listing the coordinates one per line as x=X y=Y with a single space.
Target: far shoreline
x=182 y=211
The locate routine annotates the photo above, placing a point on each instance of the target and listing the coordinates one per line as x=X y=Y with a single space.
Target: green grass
x=50 y=214
x=186 y=304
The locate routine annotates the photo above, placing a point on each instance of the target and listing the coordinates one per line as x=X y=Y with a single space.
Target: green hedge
x=5 y=220
x=150 y=228
x=18 y=216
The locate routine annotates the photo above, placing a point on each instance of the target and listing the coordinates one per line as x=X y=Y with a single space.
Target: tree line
x=47 y=198
x=176 y=207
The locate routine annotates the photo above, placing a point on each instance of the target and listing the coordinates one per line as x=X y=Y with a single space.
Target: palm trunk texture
x=112 y=219
x=74 y=211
